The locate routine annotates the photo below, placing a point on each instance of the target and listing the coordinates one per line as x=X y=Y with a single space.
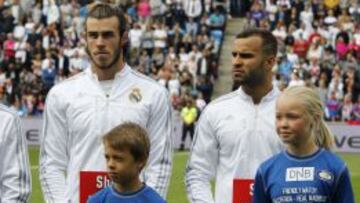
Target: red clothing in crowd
x=341 y=50
x=301 y=47
x=313 y=36
x=9 y=48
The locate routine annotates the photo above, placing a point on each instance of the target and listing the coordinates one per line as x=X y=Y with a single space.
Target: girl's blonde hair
x=314 y=112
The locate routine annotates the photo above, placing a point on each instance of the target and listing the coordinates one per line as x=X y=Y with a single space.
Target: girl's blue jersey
x=321 y=177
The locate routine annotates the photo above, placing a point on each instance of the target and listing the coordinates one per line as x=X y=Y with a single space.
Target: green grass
x=177 y=192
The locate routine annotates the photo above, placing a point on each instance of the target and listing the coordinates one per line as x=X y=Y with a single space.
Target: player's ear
x=270 y=62
x=124 y=39
x=141 y=164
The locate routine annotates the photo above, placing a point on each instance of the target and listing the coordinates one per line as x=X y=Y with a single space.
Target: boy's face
x=122 y=167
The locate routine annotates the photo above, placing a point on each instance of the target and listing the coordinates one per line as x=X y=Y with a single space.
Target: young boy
x=127 y=149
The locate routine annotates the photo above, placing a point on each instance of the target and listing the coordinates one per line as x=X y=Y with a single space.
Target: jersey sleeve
x=15 y=181
x=53 y=153
x=203 y=161
x=259 y=195
x=158 y=171
x=343 y=190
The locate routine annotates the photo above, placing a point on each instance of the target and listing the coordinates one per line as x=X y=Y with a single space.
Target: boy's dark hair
x=129 y=136
x=269 y=41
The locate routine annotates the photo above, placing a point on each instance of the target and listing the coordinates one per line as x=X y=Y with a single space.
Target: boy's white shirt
x=78 y=113
x=15 y=176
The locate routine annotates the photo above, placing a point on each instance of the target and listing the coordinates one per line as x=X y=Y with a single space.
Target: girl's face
x=292 y=125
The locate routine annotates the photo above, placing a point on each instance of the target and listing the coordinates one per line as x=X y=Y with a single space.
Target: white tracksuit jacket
x=78 y=113
x=232 y=138
x=15 y=176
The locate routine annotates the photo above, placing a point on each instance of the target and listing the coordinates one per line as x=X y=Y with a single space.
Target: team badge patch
x=135 y=95
x=325 y=175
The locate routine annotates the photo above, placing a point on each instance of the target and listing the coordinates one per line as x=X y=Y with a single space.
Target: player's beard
x=116 y=56
x=254 y=77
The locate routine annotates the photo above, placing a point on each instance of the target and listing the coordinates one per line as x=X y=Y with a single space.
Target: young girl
x=307 y=171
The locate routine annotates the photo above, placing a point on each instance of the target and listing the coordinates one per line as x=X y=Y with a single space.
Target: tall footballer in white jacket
x=15 y=176
x=81 y=109
x=236 y=132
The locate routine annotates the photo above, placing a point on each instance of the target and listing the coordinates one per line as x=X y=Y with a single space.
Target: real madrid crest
x=135 y=95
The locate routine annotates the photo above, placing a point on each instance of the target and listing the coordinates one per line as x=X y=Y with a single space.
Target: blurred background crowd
x=319 y=47
x=178 y=43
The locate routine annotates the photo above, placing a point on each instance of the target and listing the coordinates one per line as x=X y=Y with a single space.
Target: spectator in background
x=347 y=108
x=280 y=31
x=48 y=75
x=191 y=27
x=285 y=67
x=332 y=107
x=188 y=116
x=132 y=11
x=314 y=70
x=135 y=35
x=63 y=63
x=193 y=8
x=2 y=77
x=37 y=13
x=257 y=13
x=341 y=48
x=9 y=47
x=356 y=110
x=200 y=103
x=322 y=90
x=336 y=85
x=216 y=19
x=160 y=36
x=144 y=10
x=300 y=46
x=39 y=49
x=75 y=63
x=315 y=50
x=328 y=60
x=174 y=85
x=7 y=21
x=147 y=40
x=307 y=17
x=296 y=80
x=158 y=8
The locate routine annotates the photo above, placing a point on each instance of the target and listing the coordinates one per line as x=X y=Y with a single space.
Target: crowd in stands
x=176 y=42
x=319 y=47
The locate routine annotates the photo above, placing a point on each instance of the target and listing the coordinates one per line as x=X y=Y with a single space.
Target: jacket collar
x=126 y=69
x=274 y=93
